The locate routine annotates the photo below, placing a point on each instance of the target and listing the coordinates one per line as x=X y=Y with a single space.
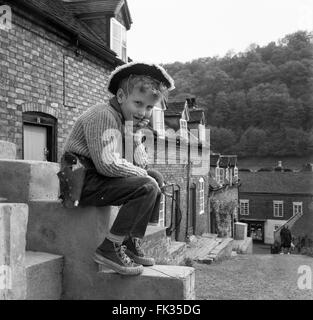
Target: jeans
x=139 y=198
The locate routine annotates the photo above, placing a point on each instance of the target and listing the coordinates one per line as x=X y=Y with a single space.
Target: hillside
x=257 y=103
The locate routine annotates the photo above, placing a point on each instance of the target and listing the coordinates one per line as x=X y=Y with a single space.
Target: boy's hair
x=144 y=83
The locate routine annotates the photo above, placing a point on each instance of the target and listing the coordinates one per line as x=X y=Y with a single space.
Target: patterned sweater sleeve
x=104 y=142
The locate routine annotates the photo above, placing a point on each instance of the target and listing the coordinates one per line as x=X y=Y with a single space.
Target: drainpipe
x=188 y=191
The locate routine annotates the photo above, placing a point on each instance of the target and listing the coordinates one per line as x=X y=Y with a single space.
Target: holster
x=71 y=178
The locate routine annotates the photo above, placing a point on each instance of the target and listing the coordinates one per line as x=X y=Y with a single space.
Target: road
x=256 y=277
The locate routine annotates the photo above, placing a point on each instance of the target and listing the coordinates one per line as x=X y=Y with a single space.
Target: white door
x=35 y=142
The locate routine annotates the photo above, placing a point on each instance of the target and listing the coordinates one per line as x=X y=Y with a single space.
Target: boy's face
x=138 y=105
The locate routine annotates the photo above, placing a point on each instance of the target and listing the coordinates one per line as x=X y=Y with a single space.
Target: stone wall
x=226 y=200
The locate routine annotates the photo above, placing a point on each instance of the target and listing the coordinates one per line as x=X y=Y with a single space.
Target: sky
x=165 y=31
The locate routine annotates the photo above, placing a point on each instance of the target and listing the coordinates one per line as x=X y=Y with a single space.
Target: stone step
x=7 y=150
x=177 y=252
x=43 y=276
x=28 y=180
x=13 y=224
x=155 y=243
x=243 y=246
x=159 y=282
x=222 y=251
x=199 y=250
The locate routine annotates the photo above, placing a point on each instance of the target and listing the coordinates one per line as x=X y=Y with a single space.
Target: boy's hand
x=143 y=123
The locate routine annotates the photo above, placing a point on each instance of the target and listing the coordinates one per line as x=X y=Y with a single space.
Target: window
x=201 y=133
x=183 y=128
x=118 y=41
x=158 y=121
x=227 y=174
x=162 y=211
x=244 y=207
x=278 y=208
x=201 y=190
x=297 y=208
x=235 y=173
x=230 y=176
x=219 y=175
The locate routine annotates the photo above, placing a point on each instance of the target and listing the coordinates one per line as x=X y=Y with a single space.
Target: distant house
x=184 y=116
x=223 y=193
x=270 y=199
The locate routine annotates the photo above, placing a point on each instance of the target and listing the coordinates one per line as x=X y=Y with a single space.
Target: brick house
x=268 y=199
x=223 y=194
x=55 y=62
x=190 y=186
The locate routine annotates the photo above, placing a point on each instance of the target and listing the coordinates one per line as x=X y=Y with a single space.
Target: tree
x=222 y=139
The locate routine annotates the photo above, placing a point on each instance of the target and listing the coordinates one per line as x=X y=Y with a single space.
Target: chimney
x=189 y=103
x=193 y=102
x=280 y=163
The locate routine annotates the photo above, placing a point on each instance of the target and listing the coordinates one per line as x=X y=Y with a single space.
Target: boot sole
x=147 y=262
x=127 y=271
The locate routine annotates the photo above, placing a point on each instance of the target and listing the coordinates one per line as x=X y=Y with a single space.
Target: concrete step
x=28 y=180
x=159 y=282
x=155 y=243
x=223 y=250
x=43 y=275
x=13 y=225
x=177 y=252
x=200 y=249
x=243 y=246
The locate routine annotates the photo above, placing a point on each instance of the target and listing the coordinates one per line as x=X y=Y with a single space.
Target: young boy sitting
x=112 y=180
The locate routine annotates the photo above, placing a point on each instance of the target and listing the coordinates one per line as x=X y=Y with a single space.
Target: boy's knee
x=152 y=185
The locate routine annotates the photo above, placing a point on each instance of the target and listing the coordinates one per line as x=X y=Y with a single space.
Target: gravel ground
x=253 y=277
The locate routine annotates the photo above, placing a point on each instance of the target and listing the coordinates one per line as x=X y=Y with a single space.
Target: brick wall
x=177 y=173
x=33 y=79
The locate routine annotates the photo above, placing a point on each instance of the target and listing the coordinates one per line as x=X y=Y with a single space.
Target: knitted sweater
x=97 y=134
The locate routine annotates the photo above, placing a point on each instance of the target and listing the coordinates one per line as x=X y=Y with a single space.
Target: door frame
x=50 y=123
x=192 y=209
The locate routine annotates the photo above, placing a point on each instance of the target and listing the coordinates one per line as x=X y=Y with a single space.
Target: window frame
x=236 y=173
x=219 y=175
x=296 y=204
x=201 y=196
x=201 y=129
x=183 y=128
x=158 y=124
x=277 y=204
x=162 y=211
x=246 y=209
x=122 y=40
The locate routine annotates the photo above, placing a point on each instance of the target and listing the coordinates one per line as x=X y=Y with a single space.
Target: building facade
x=53 y=66
x=268 y=199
